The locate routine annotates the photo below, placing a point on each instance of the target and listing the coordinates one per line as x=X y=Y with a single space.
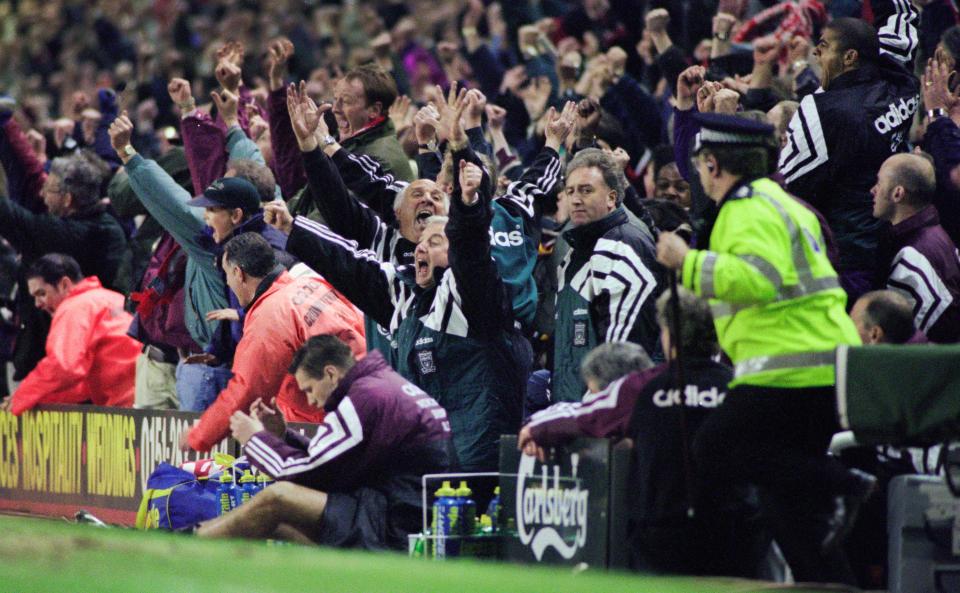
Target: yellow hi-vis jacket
x=777 y=303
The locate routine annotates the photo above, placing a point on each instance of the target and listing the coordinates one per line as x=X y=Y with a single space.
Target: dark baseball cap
x=229 y=192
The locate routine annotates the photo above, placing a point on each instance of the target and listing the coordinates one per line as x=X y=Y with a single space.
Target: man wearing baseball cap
x=780 y=314
x=231 y=206
x=228 y=203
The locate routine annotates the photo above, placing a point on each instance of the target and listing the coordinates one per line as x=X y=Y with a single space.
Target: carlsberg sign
x=548 y=505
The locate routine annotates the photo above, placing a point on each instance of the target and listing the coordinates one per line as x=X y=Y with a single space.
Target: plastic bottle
x=263 y=480
x=486 y=525
x=247 y=489
x=468 y=510
x=226 y=493
x=446 y=522
x=493 y=509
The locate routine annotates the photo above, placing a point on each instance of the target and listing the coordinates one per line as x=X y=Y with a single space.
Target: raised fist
x=179 y=90
x=120 y=132
x=657 y=20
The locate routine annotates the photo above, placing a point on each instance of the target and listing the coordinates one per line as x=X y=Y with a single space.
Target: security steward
x=779 y=311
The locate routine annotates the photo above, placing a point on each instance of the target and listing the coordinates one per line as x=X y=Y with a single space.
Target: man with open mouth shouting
x=450 y=312
x=392 y=224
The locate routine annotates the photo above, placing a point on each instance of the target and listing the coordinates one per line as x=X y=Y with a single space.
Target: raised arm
x=896 y=29
x=203 y=140
x=483 y=295
x=366 y=178
x=357 y=273
x=24 y=170
x=288 y=166
x=539 y=181
x=346 y=216
x=163 y=198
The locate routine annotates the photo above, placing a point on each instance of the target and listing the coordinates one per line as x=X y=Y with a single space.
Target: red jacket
x=89 y=356
x=278 y=322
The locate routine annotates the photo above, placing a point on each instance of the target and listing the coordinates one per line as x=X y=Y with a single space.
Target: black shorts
x=355 y=519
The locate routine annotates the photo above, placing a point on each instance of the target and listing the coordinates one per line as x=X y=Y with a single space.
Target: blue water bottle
x=226 y=493
x=468 y=510
x=263 y=480
x=247 y=488
x=493 y=509
x=446 y=522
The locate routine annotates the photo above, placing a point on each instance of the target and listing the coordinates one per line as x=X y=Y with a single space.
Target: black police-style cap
x=229 y=192
x=730 y=130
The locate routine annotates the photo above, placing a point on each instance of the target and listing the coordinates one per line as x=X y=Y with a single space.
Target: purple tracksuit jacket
x=922 y=262
x=380 y=431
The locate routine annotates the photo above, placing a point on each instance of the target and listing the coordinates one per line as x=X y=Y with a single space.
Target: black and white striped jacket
x=839 y=137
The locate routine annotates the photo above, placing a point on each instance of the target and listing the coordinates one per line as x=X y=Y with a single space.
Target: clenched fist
x=470 y=178
x=120 y=132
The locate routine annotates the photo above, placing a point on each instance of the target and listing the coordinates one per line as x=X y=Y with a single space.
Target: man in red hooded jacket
x=282 y=312
x=89 y=356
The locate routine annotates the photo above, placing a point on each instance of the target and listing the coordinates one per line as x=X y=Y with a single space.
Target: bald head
x=905 y=185
x=914 y=172
x=883 y=317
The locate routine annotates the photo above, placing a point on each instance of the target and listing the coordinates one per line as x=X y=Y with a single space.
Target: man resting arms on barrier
x=89 y=356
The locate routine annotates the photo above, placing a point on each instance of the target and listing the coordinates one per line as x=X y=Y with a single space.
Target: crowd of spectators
x=493 y=198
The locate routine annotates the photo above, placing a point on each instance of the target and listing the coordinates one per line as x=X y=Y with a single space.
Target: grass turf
x=44 y=555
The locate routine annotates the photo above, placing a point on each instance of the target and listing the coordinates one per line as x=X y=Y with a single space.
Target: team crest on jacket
x=425 y=361
x=580 y=333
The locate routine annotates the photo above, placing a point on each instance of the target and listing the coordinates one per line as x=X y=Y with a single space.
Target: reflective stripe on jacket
x=776 y=300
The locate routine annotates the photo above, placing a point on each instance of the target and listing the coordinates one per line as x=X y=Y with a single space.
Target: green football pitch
x=50 y=556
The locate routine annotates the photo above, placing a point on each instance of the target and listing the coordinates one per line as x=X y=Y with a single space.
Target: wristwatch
x=933 y=114
x=724 y=36
x=129 y=150
x=327 y=141
x=431 y=146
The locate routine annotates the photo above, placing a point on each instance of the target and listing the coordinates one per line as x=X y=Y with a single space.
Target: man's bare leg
x=289 y=533
x=281 y=503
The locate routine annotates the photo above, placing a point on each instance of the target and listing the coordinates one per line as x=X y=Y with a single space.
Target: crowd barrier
x=571 y=510
x=58 y=459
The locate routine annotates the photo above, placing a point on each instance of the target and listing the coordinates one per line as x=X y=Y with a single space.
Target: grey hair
x=80 y=177
x=612 y=360
x=402 y=195
x=438 y=219
x=698 y=335
x=612 y=174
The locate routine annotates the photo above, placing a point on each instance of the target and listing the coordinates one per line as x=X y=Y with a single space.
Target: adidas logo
x=896 y=115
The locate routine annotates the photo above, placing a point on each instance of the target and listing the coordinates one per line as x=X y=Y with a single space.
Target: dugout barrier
x=58 y=459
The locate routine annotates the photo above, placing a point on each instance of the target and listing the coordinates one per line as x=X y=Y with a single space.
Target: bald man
x=885 y=317
x=919 y=260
